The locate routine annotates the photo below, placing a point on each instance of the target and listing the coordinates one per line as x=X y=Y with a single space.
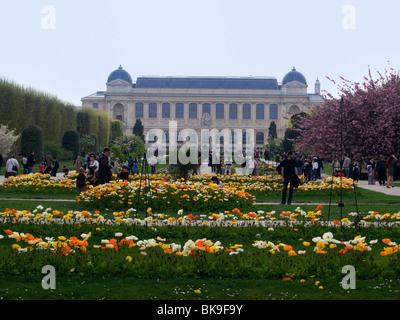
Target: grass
x=75 y=287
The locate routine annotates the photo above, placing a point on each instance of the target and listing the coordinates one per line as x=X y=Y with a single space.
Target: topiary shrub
x=32 y=140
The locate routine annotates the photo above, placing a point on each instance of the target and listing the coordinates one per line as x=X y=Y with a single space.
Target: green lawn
x=76 y=286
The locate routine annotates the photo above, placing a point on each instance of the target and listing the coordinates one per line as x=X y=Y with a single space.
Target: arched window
x=219 y=111
x=273 y=111
x=139 y=110
x=152 y=110
x=246 y=111
x=179 y=110
x=118 y=112
x=166 y=110
x=233 y=111
x=260 y=111
x=193 y=111
x=206 y=108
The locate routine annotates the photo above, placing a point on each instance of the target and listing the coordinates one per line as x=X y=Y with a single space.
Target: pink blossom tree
x=371 y=120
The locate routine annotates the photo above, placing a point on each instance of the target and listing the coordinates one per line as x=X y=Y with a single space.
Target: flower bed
x=226 y=218
x=118 y=254
x=166 y=195
x=254 y=184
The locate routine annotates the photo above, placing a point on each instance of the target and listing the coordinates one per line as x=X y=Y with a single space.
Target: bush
x=70 y=142
x=32 y=140
x=56 y=150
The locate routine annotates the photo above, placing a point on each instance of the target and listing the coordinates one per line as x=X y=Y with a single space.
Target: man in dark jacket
x=104 y=172
x=289 y=175
x=31 y=162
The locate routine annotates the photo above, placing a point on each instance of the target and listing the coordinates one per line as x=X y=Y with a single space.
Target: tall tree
x=138 y=129
x=364 y=125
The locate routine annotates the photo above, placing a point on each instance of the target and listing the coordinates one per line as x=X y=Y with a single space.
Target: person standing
x=104 y=174
x=289 y=173
x=24 y=162
x=41 y=166
x=130 y=165
x=78 y=163
x=346 y=166
x=315 y=169
x=12 y=167
x=93 y=163
x=320 y=167
x=56 y=165
x=356 y=170
x=370 y=173
x=381 y=169
x=48 y=160
x=81 y=180
x=135 y=168
x=30 y=162
x=228 y=164
x=300 y=165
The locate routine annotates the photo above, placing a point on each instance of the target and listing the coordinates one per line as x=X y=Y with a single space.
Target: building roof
x=294 y=75
x=207 y=83
x=119 y=73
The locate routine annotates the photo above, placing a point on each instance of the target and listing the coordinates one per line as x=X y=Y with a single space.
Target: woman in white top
x=93 y=163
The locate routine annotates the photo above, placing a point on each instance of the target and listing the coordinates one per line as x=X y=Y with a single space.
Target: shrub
x=70 y=142
x=32 y=140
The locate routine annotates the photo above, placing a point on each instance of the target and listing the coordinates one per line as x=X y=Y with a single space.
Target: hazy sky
x=68 y=48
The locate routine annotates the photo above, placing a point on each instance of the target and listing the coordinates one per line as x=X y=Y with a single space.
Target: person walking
x=289 y=174
x=391 y=161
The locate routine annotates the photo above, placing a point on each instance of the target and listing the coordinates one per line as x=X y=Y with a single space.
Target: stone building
x=205 y=102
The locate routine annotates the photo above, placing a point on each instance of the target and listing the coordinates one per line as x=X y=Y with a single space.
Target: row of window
x=259 y=137
x=206 y=108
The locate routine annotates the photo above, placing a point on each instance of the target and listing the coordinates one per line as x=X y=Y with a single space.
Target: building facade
x=205 y=102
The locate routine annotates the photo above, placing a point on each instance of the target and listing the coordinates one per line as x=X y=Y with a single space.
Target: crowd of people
x=47 y=165
x=384 y=170
x=98 y=169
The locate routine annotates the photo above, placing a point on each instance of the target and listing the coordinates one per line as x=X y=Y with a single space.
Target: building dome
x=120 y=74
x=294 y=76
